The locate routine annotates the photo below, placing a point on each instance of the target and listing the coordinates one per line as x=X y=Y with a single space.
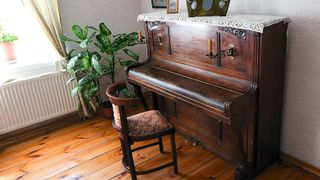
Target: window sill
x=20 y=71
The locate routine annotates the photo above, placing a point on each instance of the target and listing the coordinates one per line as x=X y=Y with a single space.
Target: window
x=35 y=54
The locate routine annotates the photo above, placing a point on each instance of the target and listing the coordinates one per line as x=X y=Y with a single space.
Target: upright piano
x=219 y=80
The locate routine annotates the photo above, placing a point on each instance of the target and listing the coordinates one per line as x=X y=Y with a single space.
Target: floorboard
x=91 y=150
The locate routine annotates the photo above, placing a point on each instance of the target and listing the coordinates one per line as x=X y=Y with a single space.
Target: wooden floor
x=91 y=150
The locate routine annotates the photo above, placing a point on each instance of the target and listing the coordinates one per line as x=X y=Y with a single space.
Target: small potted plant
x=7 y=46
x=87 y=67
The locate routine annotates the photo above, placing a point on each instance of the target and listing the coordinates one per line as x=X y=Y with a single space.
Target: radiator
x=35 y=100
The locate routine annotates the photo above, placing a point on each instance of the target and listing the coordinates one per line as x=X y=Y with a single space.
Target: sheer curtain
x=47 y=13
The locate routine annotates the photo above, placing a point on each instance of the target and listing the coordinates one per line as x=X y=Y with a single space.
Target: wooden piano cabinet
x=227 y=95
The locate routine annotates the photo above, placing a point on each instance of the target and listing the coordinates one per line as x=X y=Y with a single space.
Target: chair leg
x=174 y=153
x=130 y=161
x=124 y=153
x=161 y=145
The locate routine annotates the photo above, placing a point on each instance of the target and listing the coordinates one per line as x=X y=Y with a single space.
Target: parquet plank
x=211 y=170
x=299 y=174
x=139 y=157
x=229 y=175
x=45 y=148
x=190 y=158
x=37 y=161
x=73 y=160
x=278 y=171
x=97 y=163
x=60 y=132
x=53 y=139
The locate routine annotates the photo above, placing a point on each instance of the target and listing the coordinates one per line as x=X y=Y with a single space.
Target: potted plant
x=110 y=47
x=87 y=67
x=7 y=45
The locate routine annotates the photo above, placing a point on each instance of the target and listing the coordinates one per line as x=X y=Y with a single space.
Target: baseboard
x=300 y=163
x=23 y=134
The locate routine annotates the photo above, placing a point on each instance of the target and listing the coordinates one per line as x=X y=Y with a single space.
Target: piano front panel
x=243 y=62
x=188 y=44
x=159 y=39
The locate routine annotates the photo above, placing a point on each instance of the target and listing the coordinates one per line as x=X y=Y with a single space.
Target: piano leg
x=155 y=101
x=138 y=92
x=244 y=171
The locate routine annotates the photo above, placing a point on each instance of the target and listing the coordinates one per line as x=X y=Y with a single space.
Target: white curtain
x=48 y=15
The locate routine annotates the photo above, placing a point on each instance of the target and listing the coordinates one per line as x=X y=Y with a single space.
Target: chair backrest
x=119 y=104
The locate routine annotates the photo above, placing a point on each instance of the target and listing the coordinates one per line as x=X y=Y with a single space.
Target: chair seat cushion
x=147 y=123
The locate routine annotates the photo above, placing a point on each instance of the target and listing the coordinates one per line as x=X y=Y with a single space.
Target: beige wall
x=301 y=123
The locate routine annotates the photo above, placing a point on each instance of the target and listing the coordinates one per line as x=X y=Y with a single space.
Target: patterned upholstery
x=147 y=123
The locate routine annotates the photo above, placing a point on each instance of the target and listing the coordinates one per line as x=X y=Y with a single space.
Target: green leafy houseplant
x=87 y=66
x=6 y=38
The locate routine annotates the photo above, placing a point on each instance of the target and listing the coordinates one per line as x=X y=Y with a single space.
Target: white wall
x=301 y=123
x=119 y=15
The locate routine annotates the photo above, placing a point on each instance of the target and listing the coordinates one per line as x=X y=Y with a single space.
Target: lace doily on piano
x=254 y=23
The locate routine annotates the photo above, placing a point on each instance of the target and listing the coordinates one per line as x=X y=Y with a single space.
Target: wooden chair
x=147 y=125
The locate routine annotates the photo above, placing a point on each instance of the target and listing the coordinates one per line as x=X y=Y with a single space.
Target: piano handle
x=230 y=52
x=211 y=55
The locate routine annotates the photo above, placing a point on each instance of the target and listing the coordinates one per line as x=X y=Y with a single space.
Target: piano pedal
x=195 y=142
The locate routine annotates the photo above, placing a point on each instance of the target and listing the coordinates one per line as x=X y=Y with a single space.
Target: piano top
x=255 y=23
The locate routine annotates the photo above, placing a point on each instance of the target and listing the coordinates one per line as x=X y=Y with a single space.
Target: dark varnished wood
x=231 y=104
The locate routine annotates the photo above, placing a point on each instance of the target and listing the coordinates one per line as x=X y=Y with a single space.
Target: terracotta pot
x=107 y=109
x=108 y=112
x=8 y=52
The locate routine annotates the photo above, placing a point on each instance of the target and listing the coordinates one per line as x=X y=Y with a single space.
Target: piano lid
x=254 y=23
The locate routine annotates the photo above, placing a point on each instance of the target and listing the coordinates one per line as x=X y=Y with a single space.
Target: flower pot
x=8 y=52
x=107 y=109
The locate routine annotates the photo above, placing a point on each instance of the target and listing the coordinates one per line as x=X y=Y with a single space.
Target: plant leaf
x=85 y=80
x=84 y=44
x=70 y=80
x=105 y=43
x=132 y=54
x=104 y=29
x=96 y=65
x=120 y=42
x=72 y=63
x=65 y=39
x=124 y=63
x=85 y=62
x=127 y=93
x=90 y=93
x=74 y=91
x=79 y=32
